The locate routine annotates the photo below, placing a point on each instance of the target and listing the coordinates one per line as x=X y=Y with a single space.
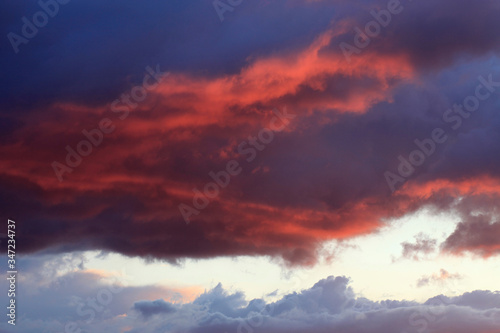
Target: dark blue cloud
x=91 y=51
x=151 y=308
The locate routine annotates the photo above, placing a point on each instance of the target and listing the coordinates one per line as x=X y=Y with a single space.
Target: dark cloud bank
x=321 y=179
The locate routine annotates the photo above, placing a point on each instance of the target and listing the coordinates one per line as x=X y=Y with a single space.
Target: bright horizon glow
x=372 y=262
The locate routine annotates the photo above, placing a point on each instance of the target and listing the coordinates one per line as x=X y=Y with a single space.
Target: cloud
x=320 y=179
x=423 y=245
x=330 y=304
x=148 y=308
x=431 y=35
x=479 y=228
x=441 y=277
x=70 y=48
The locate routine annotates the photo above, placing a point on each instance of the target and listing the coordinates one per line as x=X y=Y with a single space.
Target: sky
x=251 y=166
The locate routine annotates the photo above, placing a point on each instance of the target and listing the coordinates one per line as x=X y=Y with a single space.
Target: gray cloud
x=150 y=308
x=328 y=305
x=423 y=245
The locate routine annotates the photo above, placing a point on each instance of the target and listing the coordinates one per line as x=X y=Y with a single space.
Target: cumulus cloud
x=331 y=305
x=328 y=305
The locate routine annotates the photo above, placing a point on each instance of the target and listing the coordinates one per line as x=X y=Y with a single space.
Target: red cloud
x=124 y=197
